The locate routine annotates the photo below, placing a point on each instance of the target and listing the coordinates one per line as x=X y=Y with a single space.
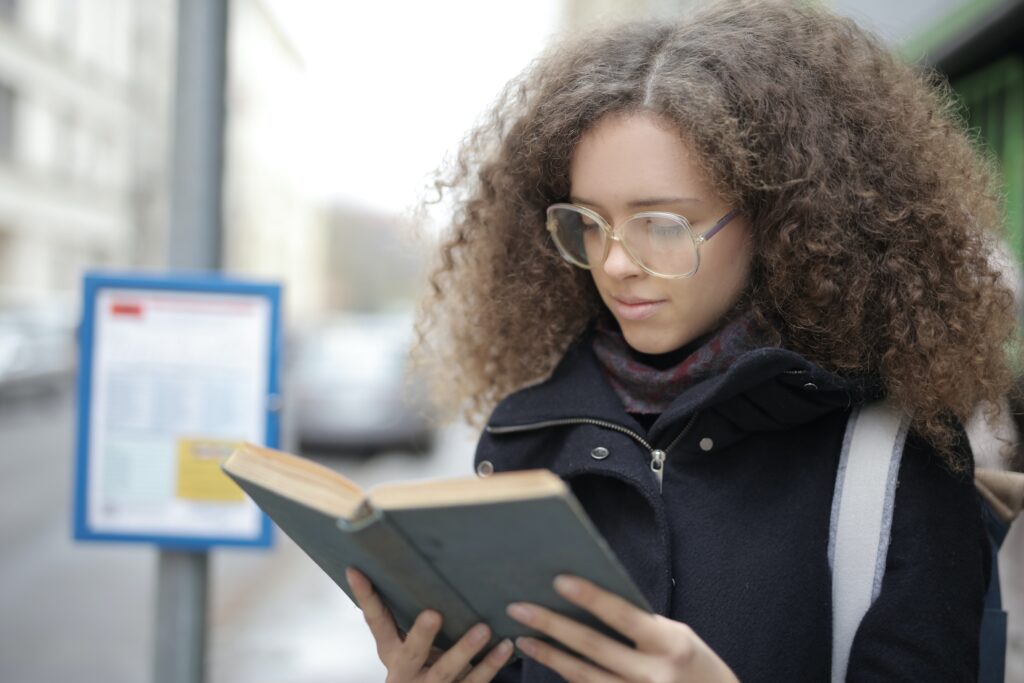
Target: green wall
x=993 y=97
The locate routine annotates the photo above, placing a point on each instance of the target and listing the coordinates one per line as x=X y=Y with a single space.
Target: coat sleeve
x=924 y=625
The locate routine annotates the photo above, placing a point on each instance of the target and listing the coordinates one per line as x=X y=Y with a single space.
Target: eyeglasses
x=661 y=243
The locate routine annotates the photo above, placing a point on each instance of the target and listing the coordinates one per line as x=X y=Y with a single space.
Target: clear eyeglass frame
x=610 y=230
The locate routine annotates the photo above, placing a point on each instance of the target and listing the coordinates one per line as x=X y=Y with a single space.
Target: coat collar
x=577 y=389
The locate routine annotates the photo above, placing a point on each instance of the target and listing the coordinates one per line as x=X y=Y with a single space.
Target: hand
x=412 y=659
x=667 y=651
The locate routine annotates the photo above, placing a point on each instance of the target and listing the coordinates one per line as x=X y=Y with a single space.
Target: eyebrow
x=640 y=203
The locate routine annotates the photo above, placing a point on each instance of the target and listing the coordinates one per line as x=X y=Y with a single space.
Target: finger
x=377 y=616
x=486 y=670
x=569 y=667
x=413 y=653
x=611 y=654
x=636 y=624
x=434 y=655
x=452 y=663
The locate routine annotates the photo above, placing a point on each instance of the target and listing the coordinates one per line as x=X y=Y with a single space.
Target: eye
x=584 y=221
x=663 y=227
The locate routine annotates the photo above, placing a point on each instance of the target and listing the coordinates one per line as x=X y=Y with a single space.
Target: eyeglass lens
x=660 y=243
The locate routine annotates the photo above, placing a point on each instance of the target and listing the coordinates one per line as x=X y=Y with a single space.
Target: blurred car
x=37 y=348
x=352 y=388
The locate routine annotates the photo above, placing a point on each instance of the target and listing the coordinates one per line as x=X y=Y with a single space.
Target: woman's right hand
x=410 y=660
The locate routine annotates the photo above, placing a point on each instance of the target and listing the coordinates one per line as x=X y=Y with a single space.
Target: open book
x=465 y=547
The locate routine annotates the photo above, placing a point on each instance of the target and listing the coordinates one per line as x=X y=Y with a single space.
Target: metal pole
x=195 y=243
x=198 y=150
x=181 y=608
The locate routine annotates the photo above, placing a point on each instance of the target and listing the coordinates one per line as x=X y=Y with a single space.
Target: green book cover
x=465 y=547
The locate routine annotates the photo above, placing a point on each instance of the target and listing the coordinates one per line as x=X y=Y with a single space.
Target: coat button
x=484 y=469
x=706 y=444
x=811 y=386
x=599 y=453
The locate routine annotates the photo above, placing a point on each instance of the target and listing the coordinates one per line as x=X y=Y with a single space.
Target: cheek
x=729 y=264
x=733 y=274
x=719 y=281
x=600 y=280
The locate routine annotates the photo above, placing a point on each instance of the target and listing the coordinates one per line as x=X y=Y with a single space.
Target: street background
x=84 y=612
x=336 y=114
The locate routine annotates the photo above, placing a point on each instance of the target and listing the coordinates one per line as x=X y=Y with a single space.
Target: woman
x=682 y=254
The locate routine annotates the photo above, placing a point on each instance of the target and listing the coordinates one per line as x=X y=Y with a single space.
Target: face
x=637 y=162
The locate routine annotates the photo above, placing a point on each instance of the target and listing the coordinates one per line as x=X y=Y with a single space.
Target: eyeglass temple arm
x=719 y=225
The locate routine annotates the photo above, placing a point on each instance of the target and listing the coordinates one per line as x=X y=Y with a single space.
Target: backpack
x=862 y=508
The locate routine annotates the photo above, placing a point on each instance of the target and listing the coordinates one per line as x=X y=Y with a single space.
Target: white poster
x=177 y=379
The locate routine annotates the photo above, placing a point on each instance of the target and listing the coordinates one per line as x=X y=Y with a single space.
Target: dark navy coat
x=735 y=542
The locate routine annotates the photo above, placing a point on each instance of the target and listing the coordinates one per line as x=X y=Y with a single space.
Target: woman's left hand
x=666 y=651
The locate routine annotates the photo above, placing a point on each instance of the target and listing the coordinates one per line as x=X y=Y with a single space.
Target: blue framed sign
x=174 y=371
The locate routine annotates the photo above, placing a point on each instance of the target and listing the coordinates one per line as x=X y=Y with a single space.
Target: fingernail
x=566 y=585
x=519 y=612
x=503 y=649
x=478 y=634
x=526 y=645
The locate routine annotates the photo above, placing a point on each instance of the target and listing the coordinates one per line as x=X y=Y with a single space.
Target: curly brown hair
x=873 y=212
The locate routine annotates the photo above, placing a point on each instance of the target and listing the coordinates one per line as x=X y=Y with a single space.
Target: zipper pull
x=658 y=466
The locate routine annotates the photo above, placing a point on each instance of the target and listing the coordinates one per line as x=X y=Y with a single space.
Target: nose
x=618 y=264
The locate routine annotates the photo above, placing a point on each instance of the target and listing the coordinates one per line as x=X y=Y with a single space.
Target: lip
x=632 y=308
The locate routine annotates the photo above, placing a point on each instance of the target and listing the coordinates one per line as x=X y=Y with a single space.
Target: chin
x=648 y=343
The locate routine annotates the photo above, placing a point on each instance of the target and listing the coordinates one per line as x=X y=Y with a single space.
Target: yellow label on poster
x=199 y=473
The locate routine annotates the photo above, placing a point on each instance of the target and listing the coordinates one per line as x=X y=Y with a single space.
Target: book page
x=505 y=486
x=299 y=479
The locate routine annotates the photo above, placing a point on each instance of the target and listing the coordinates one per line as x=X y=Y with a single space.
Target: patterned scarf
x=649 y=390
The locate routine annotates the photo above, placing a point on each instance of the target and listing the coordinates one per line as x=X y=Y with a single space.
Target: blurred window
x=66 y=149
x=7 y=101
x=66 y=26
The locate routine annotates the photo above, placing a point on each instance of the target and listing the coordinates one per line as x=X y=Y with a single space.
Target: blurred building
x=272 y=226
x=86 y=94
x=377 y=260
x=84 y=97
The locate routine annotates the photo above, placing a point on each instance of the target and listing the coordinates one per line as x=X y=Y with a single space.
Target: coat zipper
x=657 y=455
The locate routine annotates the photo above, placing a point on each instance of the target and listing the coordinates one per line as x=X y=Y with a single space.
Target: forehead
x=624 y=157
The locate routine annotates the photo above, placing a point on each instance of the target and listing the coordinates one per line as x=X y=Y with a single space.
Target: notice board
x=174 y=371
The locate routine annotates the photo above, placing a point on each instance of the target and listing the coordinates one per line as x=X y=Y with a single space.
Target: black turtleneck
x=664 y=361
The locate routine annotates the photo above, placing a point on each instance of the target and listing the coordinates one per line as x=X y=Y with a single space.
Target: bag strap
x=862 y=508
